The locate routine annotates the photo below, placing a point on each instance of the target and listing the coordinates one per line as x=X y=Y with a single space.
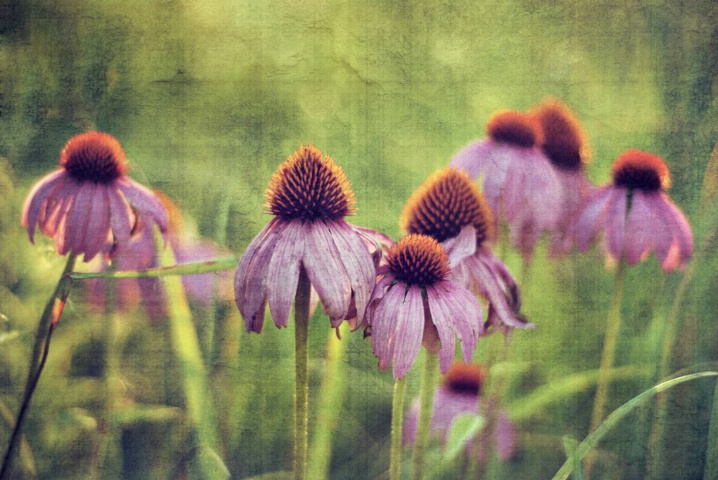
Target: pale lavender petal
x=98 y=223
x=54 y=212
x=78 y=217
x=122 y=218
x=592 y=216
x=454 y=311
x=681 y=246
x=383 y=321
x=408 y=331
x=357 y=262
x=144 y=201
x=641 y=227
x=460 y=246
x=616 y=223
x=283 y=271
x=471 y=158
x=200 y=287
x=326 y=271
x=39 y=196
x=250 y=281
x=504 y=438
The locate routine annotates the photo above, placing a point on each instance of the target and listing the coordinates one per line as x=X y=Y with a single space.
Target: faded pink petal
x=383 y=321
x=326 y=271
x=616 y=223
x=283 y=272
x=408 y=331
x=591 y=218
x=37 y=199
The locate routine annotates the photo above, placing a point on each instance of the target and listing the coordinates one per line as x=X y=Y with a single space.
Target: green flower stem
x=330 y=403
x=301 y=382
x=613 y=326
x=189 y=268
x=711 y=469
x=426 y=397
x=397 y=419
x=609 y=346
x=40 y=349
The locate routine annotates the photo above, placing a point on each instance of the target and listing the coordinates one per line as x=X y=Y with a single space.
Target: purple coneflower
x=89 y=205
x=636 y=215
x=414 y=302
x=449 y=208
x=564 y=144
x=309 y=196
x=519 y=184
x=459 y=392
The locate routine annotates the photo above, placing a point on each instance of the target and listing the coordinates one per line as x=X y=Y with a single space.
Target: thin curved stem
x=426 y=399
x=397 y=419
x=40 y=350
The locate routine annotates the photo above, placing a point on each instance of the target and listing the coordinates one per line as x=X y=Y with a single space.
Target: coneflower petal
x=37 y=199
x=616 y=223
x=384 y=324
x=326 y=271
x=592 y=217
x=408 y=331
x=98 y=223
x=283 y=272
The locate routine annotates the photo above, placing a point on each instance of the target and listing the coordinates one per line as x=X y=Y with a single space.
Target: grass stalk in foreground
x=40 y=350
x=615 y=417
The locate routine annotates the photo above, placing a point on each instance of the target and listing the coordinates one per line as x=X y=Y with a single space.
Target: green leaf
x=464 y=427
x=570 y=445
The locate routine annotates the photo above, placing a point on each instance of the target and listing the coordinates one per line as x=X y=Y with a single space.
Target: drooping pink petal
x=616 y=223
x=77 y=218
x=460 y=311
x=283 y=272
x=326 y=271
x=471 y=158
x=460 y=246
x=98 y=223
x=641 y=226
x=592 y=217
x=357 y=262
x=441 y=317
x=54 y=211
x=144 y=201
x=38 y=197
x=383 y=322
x=122 y=218
x=250 y=280
x=408 y=331
x=680 y=232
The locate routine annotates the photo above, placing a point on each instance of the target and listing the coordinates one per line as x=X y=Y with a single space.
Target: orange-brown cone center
x=309 y=186
x=445 y=203
x=515 y=128
x=94 y=156
x=418 y=260
x=563 y=138
x=640 y=170
x=464 y=378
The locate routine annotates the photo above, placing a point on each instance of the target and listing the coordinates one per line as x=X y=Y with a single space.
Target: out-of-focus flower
x=635 y=214
x=449 y=208
x=141 y=253
x=414 y=303
x=309 y=196
x=89 y=205
x=518 y=181
x=565 y=145
x=459 y=393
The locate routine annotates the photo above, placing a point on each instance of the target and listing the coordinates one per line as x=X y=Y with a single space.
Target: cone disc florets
x=448 y=201
x=418 y=260
x=94 y=156
x=635 y=169
x=309 y=186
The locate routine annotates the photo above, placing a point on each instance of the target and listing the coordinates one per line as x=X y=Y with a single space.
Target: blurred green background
x=208 y=98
